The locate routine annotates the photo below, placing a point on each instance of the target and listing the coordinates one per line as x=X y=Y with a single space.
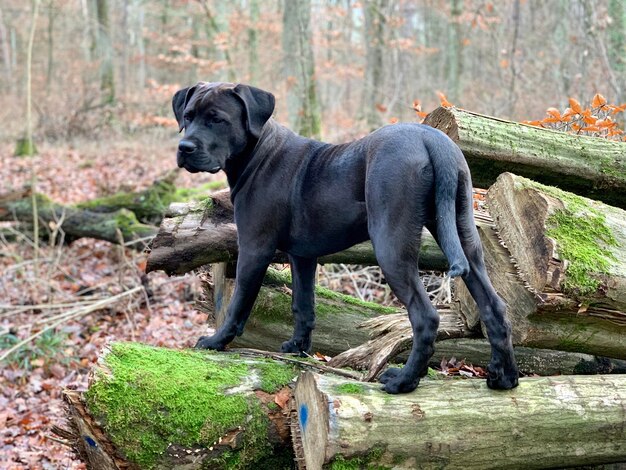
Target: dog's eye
x=215 y=120
x=188 y=117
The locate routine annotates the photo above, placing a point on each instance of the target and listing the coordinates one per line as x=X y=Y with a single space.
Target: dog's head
x=220 y=120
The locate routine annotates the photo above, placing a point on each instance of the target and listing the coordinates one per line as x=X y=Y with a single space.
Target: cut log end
x=313 y=423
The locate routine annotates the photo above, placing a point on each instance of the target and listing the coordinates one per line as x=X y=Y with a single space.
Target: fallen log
x=563 y=276
x=461 y=424
x=589 y=166
x=151 y=407
x=565 y=284
x=337 y=320
x=156 y=408
x=195 y=234
x=134 y=214
x=120 y=226
x=343 y=331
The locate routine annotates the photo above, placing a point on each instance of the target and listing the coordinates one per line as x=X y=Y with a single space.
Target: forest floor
x=39 y=282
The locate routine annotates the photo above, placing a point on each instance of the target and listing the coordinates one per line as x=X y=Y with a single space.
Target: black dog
x=309 y=199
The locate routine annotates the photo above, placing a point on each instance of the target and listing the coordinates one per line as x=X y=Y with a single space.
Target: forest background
x=103 y=74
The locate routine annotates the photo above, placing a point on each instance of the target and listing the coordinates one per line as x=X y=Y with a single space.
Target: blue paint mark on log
x=90 y=441
x=218 y=301
x=304 y=416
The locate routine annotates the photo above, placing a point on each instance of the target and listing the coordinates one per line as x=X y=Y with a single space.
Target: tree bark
x=374 y=38
x=195 y=234
x=563 y=275
x=26 y=146
x=156 y=408
x=104 y=48
x=337 y=321
x=588 y=166
x=544 y=423
x=299 y=69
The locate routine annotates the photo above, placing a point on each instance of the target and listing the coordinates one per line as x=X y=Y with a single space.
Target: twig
x=301 y=363
x=69 y=316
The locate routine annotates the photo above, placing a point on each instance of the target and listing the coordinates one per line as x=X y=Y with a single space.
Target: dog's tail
x=443 y=156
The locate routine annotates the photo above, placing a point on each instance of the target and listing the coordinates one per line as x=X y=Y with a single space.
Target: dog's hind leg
x=502 y=369
x=251 y=268
x=302 y=305
x=401 y=272
x=395 y=226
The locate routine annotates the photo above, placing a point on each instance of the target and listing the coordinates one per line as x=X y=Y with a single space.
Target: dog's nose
x=186 y=146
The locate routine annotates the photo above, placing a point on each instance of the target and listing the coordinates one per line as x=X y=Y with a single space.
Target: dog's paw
x=499 y=379
x=293 y=346
x=395 y=381
x=210 y=342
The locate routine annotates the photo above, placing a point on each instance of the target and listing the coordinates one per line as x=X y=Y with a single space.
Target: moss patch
x=350 y=388
x=155 y=396
x=275 y=277
x=357 y=463
x=583 y=239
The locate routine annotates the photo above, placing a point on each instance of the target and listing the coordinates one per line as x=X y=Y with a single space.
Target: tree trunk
x=104 y=48
x=195 y=234
x=150 y=407
x=565 y=284
x=589 y=166
x=299 y=69
x=253 y=42
x=374 y=37
x=544 y=423
x=337 y=316
x=26 y=146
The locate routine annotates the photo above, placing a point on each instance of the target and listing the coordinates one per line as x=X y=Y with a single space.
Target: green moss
x=325 y=293
x=350 y=388
x=154 y=396
x=275 y=375
x=25 y=148
x=276 y=277
x=367 y=462
x=198 y=193
x=150 y=205
x=583 y=239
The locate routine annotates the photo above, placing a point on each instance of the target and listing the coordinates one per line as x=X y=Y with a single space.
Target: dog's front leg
x=251 y=268
x=302 y=304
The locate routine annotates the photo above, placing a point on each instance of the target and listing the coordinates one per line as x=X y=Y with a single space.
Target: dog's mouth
x=194 y=169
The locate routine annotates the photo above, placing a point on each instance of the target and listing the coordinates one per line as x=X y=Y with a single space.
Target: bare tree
x=104 y=48
x=299 y=69
x=373 y=89
x=26 y=147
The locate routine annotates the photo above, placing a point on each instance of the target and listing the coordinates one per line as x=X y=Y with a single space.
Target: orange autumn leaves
x=597 y=119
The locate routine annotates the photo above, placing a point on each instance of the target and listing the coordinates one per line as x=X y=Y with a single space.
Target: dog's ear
x=258 y=106
x=180 y=100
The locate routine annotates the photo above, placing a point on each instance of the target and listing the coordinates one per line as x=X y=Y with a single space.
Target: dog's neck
x=241 y=168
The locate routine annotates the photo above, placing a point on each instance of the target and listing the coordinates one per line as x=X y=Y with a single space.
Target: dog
x=309 y=198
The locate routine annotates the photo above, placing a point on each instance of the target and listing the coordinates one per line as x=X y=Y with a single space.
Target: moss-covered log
x=195 y=234
x=565 y=284
x=153 y=408
x=75 y=223
x=151 y=204
x=338 y=316
x=460 y=424
x=589 y=166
